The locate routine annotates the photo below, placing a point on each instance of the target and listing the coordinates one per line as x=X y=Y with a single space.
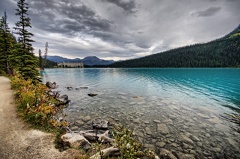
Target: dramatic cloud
x=129 y=7
x=208 y=12
x=124 y=29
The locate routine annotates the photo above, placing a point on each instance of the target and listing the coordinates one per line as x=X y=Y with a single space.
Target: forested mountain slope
x=223 y=52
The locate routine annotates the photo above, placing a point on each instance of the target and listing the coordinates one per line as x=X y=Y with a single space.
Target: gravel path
x=17 y=140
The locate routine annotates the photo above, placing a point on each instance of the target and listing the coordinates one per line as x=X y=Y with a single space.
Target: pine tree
x=45 y=54
x=27 y=62
x=6 y=44
x=40 y=60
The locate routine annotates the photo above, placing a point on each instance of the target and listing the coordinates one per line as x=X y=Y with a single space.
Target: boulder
x=54 y=94
x=51 y=85
x=76 y=140
x=100 y=124
x=63 y=100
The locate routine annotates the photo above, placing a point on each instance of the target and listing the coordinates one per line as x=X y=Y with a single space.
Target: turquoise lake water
x=185 y=103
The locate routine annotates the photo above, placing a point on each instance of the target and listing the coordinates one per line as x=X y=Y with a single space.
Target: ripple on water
x=176 y=109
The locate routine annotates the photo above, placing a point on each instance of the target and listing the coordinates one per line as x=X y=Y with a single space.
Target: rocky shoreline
x=169 y=134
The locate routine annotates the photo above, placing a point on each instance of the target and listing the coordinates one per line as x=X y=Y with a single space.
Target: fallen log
x=111 y=151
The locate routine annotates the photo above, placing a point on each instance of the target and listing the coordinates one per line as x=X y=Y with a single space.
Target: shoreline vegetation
x=39 y=106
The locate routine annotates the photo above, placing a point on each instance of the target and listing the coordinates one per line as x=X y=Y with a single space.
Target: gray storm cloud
x=125 y=29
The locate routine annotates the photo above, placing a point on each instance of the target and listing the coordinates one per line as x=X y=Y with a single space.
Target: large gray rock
x=63 y=100
x=76 y=140
x=51 y=85
x=163 y=129
x=100 y=124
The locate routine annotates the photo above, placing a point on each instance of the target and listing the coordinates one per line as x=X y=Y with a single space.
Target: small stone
x=161 y=144
x=74 y=128
x=203 y=116
x=165 y=154
x=136 y=121
x=86 y=118
x=80 y=122
x=208 y=135
x=150 y=146
x=174 y=145
x=163 y=129
x=216 y=149
x=192 y=152
x=146 y=122
x=148 y=131
x=92 y=94
x=194 y=138
x=186 y=156
x=185 y=139
x=156 y=121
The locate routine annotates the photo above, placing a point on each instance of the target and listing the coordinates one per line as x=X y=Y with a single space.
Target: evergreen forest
x=223 y=52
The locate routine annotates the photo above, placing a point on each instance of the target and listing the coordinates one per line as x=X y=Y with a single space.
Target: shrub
x=35 y=105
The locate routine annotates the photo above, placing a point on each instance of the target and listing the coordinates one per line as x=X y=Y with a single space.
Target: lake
x=176 y=109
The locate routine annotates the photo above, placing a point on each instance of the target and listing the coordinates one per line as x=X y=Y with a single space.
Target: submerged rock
x=185 y=156
x=86 y=118
x=163 y=129
x=165 y=154
x=148 y=131
x=185 y=139
x=92 y=94
x=161 y=144
x=69 y=88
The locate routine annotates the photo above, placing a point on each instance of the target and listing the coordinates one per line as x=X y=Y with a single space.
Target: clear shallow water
x=164 y=107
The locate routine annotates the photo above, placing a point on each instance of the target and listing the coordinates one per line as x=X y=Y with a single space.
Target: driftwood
x=105 y=153
x=103 y=138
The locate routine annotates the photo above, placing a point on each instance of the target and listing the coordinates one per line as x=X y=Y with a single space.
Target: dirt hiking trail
x=17 y=140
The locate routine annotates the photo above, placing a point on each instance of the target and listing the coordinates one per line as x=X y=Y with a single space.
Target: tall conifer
x=6 y=44
x=28 y=62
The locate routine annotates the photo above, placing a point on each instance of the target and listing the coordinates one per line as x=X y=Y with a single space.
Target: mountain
x=223 y=52
x=93 y=60
x=90 y=60
x=62 y=59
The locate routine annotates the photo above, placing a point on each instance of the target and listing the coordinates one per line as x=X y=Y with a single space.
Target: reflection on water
x=176 y=109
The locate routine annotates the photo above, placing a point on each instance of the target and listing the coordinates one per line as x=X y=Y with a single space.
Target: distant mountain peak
x=89 y=60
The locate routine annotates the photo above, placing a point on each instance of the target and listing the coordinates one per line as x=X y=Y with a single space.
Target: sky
x=124 y=29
